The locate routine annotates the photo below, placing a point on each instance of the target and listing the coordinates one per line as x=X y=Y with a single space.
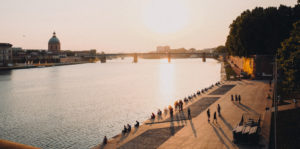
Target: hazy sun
x=165 y=16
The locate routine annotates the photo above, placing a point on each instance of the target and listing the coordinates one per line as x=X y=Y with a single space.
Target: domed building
x=54 y=44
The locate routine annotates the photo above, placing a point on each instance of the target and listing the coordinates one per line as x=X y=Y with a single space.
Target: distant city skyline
x=122 y=26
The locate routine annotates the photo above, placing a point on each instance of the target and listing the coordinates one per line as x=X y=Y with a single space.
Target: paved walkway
x=198 y=133
x=4 y=144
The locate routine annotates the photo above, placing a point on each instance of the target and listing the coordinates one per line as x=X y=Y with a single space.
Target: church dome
x=54 y=40
x=54 y=44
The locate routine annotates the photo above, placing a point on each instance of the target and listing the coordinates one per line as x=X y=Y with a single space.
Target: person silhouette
x=137 y=124
x=104 y=140
x=219 y=110
x=215 y=117
x=189 y=113
x=208 y=115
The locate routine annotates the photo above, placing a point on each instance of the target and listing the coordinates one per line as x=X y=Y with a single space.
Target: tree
x=288 y=61
x=220 y=49
x=260 y=31
x=192 y=50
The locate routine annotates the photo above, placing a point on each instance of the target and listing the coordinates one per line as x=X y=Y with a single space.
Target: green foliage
x=220 y=49
x=192 y=50
x=288 y=61
x=229 y=71
x=260 y=30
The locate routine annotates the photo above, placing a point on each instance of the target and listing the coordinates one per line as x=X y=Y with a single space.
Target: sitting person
x=104 y=140
x=128 y=128
x=124 y=130
x=159 y=112
x=180 y=105
x=185 y=100
x=137 y=124
x=153 y=116
x=170 y=109
x=176 y=104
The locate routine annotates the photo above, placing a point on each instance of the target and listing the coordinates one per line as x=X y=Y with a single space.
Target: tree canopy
x=288 y=61
x=220 y=49
x=260 y=31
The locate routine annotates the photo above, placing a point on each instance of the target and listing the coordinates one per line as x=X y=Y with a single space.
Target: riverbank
x=198 y=132
x=4 y=144
x=27 y=66
x=84 y=96
x=159 y=123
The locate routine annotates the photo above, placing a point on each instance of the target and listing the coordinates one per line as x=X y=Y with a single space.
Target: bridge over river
x=104 y=56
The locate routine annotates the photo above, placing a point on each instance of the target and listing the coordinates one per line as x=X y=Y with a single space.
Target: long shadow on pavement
x=196 y=108
x=183 y=118
x=248 y=108
x=227 y=138
x=241 y=107
x=135 y=130
x=193 y=128
x=152 y=138
x=172 y=130
x=226 y=123
x=124 y=136
x=219 y=136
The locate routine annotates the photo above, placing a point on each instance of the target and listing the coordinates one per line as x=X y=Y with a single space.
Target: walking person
x=231 y=97
x=215 y=117
x=236 y=97
x=189 y=113
x=219 y=110
x=208 y=115
x=239 y=98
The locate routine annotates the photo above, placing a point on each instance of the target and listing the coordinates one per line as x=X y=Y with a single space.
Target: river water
x=75 y=106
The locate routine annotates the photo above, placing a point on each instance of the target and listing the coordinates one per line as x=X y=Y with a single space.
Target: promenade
x=22 y=66
x=198 y=132
x=4 y=144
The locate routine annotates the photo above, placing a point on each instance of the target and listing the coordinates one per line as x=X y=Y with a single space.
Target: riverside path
x=180 y=132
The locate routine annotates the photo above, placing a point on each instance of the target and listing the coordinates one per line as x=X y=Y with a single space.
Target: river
x=75 y=106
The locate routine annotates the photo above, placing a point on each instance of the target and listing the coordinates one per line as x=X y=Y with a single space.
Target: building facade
x=5 y=54
x=163 y=49
x=54 y=44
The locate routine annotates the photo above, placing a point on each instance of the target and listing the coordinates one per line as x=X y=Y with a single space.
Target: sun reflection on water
x=166 y=80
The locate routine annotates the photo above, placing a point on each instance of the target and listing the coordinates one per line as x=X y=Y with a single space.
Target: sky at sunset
x=122 y=25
